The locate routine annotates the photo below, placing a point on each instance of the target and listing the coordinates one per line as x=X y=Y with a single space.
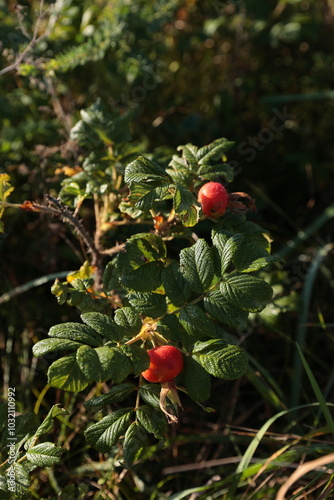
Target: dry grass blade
x=301 y=471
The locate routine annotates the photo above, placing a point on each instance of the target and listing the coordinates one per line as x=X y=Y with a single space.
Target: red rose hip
x=214 y=199
x=166 y=362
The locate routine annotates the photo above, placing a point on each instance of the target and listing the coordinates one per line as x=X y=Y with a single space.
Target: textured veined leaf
x=128 y=320
x=102 y=324
x=212 y=172
x=138 y=357
x=21 y=478
x=196 y=265
x=140 y=263
x=103 y=435
x=117 y=393
x=145 y=196
x=221 y=360
x=101 y=363
x=152 y=305
x=196 y=322
x=145 y=170
x=77 y=332
x=54 y=344
x=246 y=292
x=44 y=454
x=65 y=373
x=260 y=263
x=225 y=248
x=186 y=206
x=135 y=441
x=153 y=420
x=213 y=151
x=225 y=312
x=195 y=379
x=176 y=287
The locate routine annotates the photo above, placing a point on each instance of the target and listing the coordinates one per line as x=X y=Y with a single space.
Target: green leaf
x=176 y=287
x=103 y=435
x=150 y=394
x=138 y=356
x=145 y=196
x=47 y=424
x=54 y=344
x=128 y=321
x=186 y=206
x=117 y=393
x=213 y=151
x=196 y=265
x=110 y=277
x=189 y=155
x=213 y=172
x=220 y=359
x=195 y=379
x=225 y=248
x=96 y=364
x=65 y=373
x=170 y=328
x=4 y=487
x=44 y=454
x=259 y=263
x=246 y=292
x=153 y=421
x=140 y=263
x=103 y=324
x=77 y=332
x=145 y=170
x=135 y=442
x=21 y=478
x=152 y=305
x=219 y=308
x=196 y=322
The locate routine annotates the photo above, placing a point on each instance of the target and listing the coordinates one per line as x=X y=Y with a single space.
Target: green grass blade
x=322 y=403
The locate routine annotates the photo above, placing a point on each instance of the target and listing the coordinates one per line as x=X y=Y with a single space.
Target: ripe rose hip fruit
x=166 y=362
x=214 y=199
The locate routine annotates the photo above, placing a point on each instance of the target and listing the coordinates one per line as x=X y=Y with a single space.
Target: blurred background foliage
x=258 y=73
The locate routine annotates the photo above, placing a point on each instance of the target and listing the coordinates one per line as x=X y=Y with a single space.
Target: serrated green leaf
x=47 y=424
x=213 y=172
x=189 y=155
x=4 y=487
x=259 y=263
x=104 y=434
x=77 y=332
x=176 y=287
x=195 y=379
x=135 y=441
x=140 y=263
x=97 y=364
x=144 y=170
x=196 y=322
x=221 y=360
x=196 y=265
x=110 y=277
x=64 y=373
x=144 y=196
x=21 y=478
x=213 y=151
x=103 y=324
x=54 y=344
x=152 y=305
x=246 y=292
x=138 y=356
x=218 y=307
x=150 y=394
x=153 y=420
x=186 y=206
x=225 y=247
x=117 y=393
x=128 y=320
x=171 y=329
x=44 y=454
